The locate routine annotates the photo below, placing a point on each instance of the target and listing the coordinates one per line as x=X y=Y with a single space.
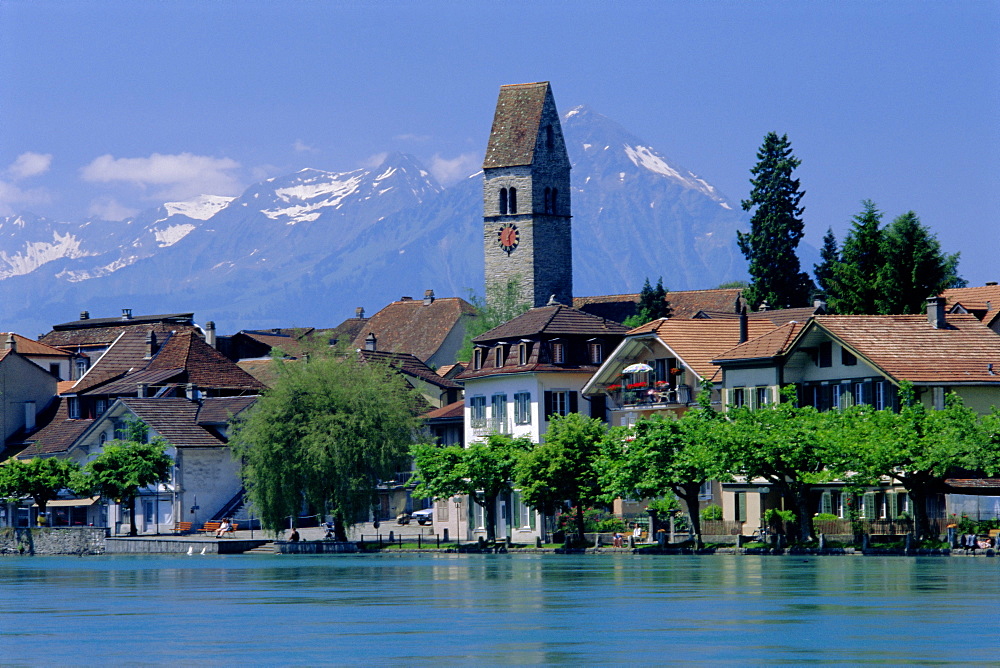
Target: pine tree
x=829 y=257
x=854 y=286
x=652 y=305
x=914 y=267
x=775 y=229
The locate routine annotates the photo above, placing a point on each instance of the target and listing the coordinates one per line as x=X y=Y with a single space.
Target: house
x=835 y=361
x=27 y=393
x=523 y=372
x=982 y=302
x=684 y=304
x=56 y=361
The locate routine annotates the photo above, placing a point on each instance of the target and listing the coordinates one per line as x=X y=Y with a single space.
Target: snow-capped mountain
x=306 y=248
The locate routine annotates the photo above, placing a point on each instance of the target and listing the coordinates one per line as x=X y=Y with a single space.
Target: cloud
x=29 y=164
x=374 y=160
x=107 y=208
x=13 y=197
x=180 y=176
x=450 y=170
x=302 y=147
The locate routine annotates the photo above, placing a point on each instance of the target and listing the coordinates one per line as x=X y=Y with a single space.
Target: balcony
x=488 y=426
x=650 y=396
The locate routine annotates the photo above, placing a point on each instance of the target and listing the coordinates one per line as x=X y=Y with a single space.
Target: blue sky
x=111 y=107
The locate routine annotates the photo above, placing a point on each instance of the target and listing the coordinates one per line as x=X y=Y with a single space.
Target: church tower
x=526 y=197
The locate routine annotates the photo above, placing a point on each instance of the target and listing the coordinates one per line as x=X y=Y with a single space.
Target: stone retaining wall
x=313 y=547
x=175 y=546
x=51 y=541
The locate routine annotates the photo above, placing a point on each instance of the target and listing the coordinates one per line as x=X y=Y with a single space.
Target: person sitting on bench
x=224 y=528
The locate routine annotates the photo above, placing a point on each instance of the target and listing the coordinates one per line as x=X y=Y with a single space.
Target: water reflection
x=495 y=609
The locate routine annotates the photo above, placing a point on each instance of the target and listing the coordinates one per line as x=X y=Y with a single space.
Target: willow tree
x=325 y=435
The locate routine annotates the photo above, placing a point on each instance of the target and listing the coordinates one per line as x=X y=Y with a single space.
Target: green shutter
x=869 y=506
x=741 y=506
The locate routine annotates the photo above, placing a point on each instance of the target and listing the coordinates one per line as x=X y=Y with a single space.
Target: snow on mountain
x=37 y=253
x=202 y=207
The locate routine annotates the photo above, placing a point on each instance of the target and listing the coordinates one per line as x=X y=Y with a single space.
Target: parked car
x=423 y=517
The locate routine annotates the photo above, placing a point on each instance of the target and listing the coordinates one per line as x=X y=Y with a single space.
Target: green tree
x=914 y=268
x=855 y=286
x=665 y=457
x=483 y=471
x=503 y=302
x=41 y=479
x=786 y=445
x=563 y=469
x=775 y=229
x=919 y=448
x=829 y=257
x=652 y=305
x=328 y=431
x=124 y=467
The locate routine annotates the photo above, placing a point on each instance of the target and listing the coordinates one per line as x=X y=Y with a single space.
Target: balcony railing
x=651 y=396
x=487 y=426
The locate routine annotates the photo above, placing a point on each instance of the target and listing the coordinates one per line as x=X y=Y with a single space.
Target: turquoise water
x=497 y=609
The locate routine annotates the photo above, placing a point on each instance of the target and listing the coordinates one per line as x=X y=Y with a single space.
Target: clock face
x=508 y=237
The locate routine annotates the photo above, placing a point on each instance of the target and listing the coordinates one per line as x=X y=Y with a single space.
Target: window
x=595 y=353
x=560 y=402
x=826 y=354
x=522 y=408
x=503 y=201
x=832 y=503
x=498 y=403
x=558 y=353
x=763 y=396
x=705 y=493
x=548 y=200
x=836 y=400
x=740 y=499
x=512 y=200
x=477 y=359
x=498 y=357
x=555 y=194
x=73 y=408
x=54 y=370
x=523 y=515
x=550 y=138
x=103 y=438
x=522 y=354
x=881 y=395
x=739 y=398
x=847 y=358
x=862 y=393
x=81 y=368
x=100 y=406
x=477 y=411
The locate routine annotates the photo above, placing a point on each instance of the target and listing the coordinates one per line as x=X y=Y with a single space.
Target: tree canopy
x=324 y=436
x=652 y=305
x=40 y=478
x=503 y=301
x=776 y=228
x=483 y=471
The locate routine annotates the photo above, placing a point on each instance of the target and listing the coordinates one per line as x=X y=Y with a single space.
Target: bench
x=212 y=527
x=182 y=527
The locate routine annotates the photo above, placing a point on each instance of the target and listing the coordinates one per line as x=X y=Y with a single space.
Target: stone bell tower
x=526 y=197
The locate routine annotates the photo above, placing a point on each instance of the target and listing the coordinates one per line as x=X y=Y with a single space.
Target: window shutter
x=741 y=507
x=869 y=505
x=573 y=402
x=826 y=503
x=548 y=404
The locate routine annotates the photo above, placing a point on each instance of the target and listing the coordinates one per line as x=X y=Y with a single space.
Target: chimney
x=359 y=313
x=428 y=297
x=150 y=344
x=10 y=343
x=210 y=333
x=29 y=416
x=819 y=304
x=935 y=313
x=126 y=314
x=371 y=342
x=142 y=389
x=744 y=325
x=84 y=315
x=763 y=307
x=191 y=392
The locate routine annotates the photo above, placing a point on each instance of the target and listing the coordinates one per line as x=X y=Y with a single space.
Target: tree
x=503 y=302
x=855 y=286
x=665 y=457
x=919 y=448
x=786 y=445
x=124 y=467
x=914 y=268
x=483 y=471
x=329 y=430
x=829 y=257
x=652 y=305
x=41 y=479
x=562 y=471
x=775 y=229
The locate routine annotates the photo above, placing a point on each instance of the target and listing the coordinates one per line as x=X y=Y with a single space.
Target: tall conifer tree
x=775 y=229
x=829 y=257
x=854 y=284
x=914 y=268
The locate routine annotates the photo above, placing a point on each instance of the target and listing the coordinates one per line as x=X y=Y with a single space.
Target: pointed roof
x=30 y=347
x=554 y=320
x=415 y=327
x=516 y=122
x=982 y=301
x=773 y=343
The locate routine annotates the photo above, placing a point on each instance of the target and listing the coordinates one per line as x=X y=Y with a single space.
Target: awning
x=62 y=503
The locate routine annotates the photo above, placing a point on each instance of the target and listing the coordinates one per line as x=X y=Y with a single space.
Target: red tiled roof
x=220 y=410
x=983 y=301
x=102 y=331
x=56 y=432
x=684 y=303
x=552 y=321
x=409 y=365
x=452 y=410
x=771 y=344
x=27 y=346
x=175 y=419
x=908 y=347
x=204 y=365
x=515 y=125
x=410 y=326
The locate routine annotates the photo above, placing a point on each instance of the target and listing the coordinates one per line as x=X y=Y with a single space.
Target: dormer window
x=498 y=356
x=595 y=352
x=558 y=353
x=522 y=354
x=73 y=408
x=503 y=201
x=477 y=359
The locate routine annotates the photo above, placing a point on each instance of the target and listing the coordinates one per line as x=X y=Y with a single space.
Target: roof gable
x=516 y=124
x=414 y=326
x=552 y=321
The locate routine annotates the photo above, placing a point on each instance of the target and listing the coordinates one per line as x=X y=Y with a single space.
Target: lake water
x=476 y=609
